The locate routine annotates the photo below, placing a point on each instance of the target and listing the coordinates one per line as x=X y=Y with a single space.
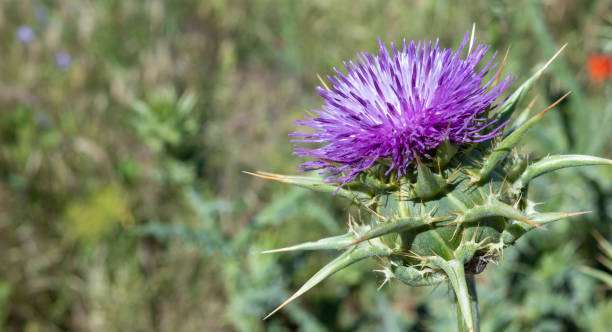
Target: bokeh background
x=125 y=126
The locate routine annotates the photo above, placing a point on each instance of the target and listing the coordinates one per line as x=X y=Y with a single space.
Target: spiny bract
x=457 y=201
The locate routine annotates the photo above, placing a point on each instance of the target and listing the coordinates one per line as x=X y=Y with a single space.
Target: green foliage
x=605 y=260
x=165 y=120
x=97 y=215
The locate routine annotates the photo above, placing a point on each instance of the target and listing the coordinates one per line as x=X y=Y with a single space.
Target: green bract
x=449 y=217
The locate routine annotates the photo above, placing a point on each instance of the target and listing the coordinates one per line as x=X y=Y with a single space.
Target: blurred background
x=125 y=126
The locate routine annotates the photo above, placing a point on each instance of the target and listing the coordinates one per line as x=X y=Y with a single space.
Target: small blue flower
x=42 y=13
x=25 y=34
x=63 y=60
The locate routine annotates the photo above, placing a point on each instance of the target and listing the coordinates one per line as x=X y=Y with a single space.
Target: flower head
x=600 y=67
x=25 y=34
x=63 y=60
x=400 y=106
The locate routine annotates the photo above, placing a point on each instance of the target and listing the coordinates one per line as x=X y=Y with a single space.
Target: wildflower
x=25 y=34
x=600 y=67
x=63 y=60
x=41 y=12
x=400 y=105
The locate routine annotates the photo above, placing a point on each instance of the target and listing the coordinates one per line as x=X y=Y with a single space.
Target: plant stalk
x=460 y=322
x=465 y=296
x=471 y=284
x=475 y=312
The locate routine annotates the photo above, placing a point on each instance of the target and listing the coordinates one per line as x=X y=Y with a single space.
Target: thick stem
x=456 y=275
x=471 y=288
x=460 y=322
x=471 y=284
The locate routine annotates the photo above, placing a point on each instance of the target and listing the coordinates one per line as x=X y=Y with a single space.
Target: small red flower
x=600 y=67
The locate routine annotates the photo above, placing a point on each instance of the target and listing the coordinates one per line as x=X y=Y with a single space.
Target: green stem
x=465 y=301
x=460 y=323
x=471 y=284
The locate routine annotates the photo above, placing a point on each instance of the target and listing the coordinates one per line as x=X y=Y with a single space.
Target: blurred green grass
x=123 y=205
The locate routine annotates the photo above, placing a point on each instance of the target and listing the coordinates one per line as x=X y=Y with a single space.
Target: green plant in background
x=410 y=137
x=165 y=120
x=167 y=123
x=605 y=259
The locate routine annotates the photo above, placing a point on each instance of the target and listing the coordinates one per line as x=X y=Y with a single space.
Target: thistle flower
x=464 y=201
x=401 y=106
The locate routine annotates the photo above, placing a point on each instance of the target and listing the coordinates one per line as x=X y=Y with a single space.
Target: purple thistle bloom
x=400 y=105
x=25 y=34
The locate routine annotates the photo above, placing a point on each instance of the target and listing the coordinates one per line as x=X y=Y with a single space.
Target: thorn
x=532 y=223
x=272 y=251
x=475 y=232
x=454 y=222
x=520 y=197
x=502 y=186
x=472 y=39
x=375 y=213
x=552 y=105
x=352 y=225
x=267 y=176
x=412 y=254
x=293 y=297
x=532 y=102
x=455 y=231
x=573 y=214
x=451 y=177
x=384 y=281
x=501 y=67
x=436 y=219
x=359 y=214
x=553 y=57
x=431 y=213
x=479 y=244
x=356 y=242
x=403 y=253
